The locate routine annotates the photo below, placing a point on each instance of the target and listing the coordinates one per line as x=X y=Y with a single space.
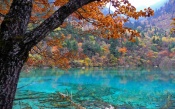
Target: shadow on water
x=96 y=89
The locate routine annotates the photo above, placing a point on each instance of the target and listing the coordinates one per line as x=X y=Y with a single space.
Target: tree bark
x=15 y=43
x=13 y=53
x=9 y=75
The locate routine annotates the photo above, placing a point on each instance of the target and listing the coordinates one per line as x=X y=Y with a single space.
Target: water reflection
x=120 y=88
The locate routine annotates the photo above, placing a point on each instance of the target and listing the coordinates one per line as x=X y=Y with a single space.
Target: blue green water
x=97 y=88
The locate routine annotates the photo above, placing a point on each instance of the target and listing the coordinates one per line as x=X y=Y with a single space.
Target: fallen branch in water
x=68 y=98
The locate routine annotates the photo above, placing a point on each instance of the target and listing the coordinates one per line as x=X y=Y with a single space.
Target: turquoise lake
x=97 y=88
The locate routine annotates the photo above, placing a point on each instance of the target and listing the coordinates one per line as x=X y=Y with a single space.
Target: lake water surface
x=96 y=89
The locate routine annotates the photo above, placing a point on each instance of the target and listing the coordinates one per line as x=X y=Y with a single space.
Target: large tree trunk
x=13 y=52
x=9 y=75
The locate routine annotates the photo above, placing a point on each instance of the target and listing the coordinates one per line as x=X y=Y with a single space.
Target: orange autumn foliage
x=54 y=49
x=150 y=54
x=122 y=50
x=164 y=53
x=171 y=55
x=91 y=13
x=108 y=26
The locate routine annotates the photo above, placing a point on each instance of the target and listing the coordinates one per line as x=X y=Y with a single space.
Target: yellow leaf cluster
x=168 y=39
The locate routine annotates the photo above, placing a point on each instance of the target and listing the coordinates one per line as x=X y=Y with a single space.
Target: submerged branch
x=68 y=98
x=56 y=100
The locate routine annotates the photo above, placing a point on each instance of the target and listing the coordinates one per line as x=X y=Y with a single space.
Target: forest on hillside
x=154 y=48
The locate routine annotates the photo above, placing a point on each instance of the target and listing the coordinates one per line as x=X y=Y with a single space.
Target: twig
x=78 y=13
x=42 y=54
